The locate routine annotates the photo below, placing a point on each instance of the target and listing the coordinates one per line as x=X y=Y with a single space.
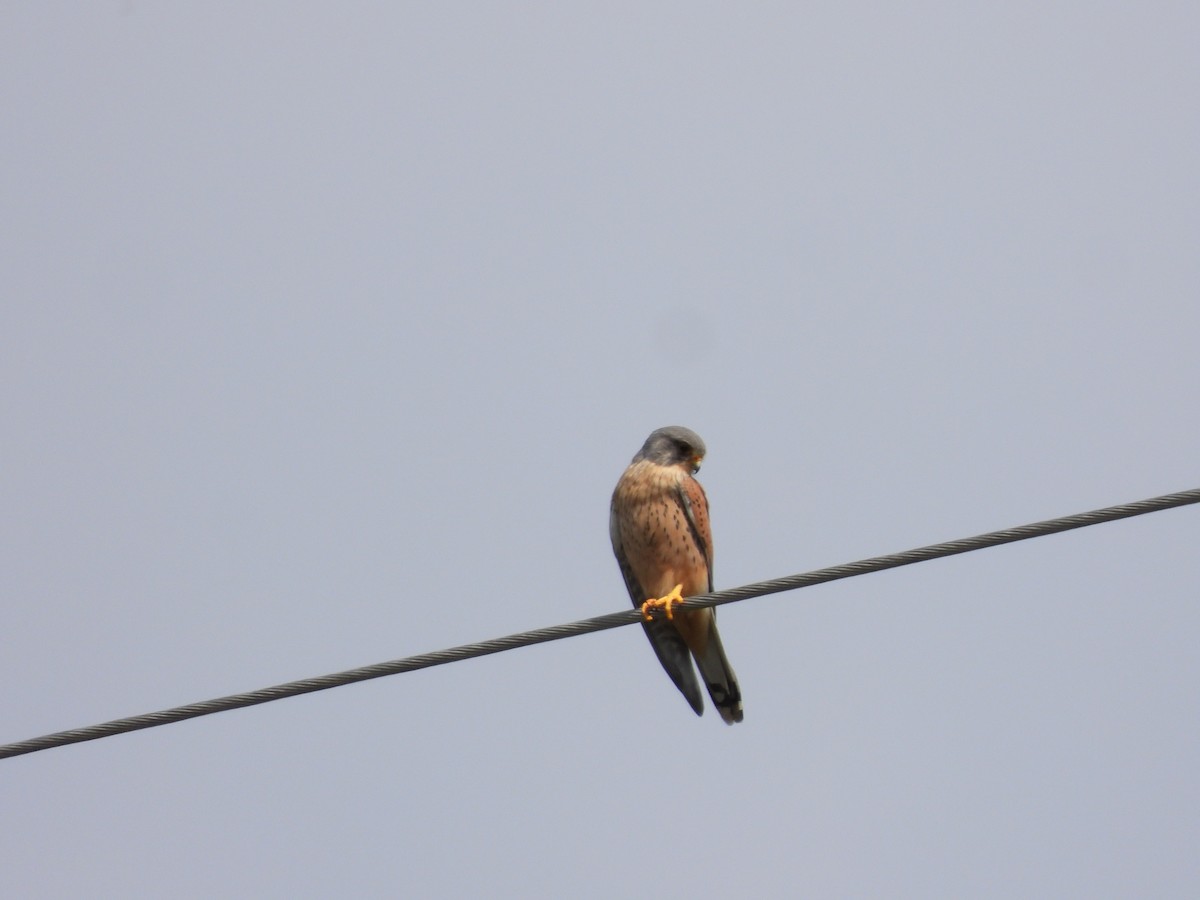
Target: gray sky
x=327 y=330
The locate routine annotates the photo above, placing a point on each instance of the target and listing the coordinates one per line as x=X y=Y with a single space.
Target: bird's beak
x=696 y=460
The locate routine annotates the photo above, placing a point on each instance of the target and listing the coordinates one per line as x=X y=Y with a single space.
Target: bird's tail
x=717 y=675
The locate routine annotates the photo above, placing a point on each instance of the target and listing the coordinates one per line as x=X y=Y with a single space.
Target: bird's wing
x=715 y=670
x=695 y=506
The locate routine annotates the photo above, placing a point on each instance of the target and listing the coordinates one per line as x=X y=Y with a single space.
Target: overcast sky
x=327 y=329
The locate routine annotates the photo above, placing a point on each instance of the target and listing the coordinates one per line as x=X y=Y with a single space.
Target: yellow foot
x=665 y=602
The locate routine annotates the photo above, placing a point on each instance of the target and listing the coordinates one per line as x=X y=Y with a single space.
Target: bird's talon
x=667 y=602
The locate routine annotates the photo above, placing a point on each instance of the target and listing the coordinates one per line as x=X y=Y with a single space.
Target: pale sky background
x=328 y=328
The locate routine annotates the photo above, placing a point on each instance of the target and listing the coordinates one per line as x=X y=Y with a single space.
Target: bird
x=660 y=532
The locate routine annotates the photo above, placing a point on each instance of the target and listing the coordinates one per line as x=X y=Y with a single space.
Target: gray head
x=673 y=446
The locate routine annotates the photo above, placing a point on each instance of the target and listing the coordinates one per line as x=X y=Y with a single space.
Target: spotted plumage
x=662 y=539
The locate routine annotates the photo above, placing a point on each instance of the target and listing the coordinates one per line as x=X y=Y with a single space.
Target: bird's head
x=674 y=446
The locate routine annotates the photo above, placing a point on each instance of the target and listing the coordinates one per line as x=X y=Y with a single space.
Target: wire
x=598 y=623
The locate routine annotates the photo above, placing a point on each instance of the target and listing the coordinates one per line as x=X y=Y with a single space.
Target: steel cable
x=598 y=623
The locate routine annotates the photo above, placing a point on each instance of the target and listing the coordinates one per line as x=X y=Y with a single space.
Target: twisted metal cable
x=598 y=623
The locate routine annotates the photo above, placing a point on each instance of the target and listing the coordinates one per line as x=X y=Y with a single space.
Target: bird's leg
x=666 y=603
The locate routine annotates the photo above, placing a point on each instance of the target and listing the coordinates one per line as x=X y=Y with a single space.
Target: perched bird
x=661 y=537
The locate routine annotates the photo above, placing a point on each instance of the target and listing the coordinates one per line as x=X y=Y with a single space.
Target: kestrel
x=663 y=543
